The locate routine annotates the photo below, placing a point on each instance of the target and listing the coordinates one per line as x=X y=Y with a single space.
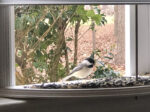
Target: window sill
x=6 y=102
x=20 y=92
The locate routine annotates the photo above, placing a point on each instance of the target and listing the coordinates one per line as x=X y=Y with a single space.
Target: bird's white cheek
x=86 y=62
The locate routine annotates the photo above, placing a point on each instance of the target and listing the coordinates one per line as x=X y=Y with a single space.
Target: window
x=86 y=29
x=67 y=92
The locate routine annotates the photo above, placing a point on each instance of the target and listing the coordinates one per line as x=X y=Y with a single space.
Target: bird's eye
x=90 y=66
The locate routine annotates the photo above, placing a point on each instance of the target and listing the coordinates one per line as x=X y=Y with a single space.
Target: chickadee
x=83 y=70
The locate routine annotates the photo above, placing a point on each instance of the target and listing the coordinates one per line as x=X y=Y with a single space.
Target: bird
x=81 y=71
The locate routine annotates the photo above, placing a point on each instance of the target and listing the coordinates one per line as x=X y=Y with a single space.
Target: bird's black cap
x=91 y=60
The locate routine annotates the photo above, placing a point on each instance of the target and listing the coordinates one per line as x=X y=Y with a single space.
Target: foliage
x=89 y=15
x=104 y=69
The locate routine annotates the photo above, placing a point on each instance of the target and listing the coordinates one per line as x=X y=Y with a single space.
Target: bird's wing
x=77 y=68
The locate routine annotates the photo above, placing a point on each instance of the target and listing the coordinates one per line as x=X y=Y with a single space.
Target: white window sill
x=6 y=102
x=18 y=92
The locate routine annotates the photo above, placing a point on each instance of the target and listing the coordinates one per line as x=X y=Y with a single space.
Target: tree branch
x=44 y=34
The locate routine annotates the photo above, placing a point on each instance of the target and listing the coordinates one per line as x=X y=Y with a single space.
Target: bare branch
x=83 y=34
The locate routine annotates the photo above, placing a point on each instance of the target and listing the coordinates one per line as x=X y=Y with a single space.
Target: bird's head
x=90 y=62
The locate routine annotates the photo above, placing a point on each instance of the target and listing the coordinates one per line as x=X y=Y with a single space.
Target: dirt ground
x=105 y=42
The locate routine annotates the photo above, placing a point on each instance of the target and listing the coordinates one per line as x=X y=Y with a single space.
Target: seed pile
x=95 y=83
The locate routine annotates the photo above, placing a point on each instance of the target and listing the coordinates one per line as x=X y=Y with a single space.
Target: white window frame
x=130 y=38
x=7 y=76
x=6 y=2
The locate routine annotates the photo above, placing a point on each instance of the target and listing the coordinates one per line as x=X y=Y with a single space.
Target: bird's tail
x=67 y=77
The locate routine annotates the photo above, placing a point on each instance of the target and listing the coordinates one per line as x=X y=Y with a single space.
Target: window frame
x=13 y=2
x=19 y=92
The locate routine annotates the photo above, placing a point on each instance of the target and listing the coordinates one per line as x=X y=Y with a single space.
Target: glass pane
x=51 y=40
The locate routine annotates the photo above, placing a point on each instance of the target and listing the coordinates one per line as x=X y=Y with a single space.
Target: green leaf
x=111 y=54
x=69 y=39
x=68 y=49
x=16 y=65
x=38 y=52
x=90 y=13
x=106 y=57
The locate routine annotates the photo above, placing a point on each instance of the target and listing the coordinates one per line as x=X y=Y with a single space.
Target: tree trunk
x=67 y=59
x=53 y=73
x=119 y=31
x=77 y=26
x=93 y=37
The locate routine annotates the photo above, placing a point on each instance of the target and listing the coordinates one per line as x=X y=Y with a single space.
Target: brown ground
x=105 y=41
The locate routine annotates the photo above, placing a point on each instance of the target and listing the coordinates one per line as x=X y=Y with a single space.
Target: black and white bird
x=84 y=69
